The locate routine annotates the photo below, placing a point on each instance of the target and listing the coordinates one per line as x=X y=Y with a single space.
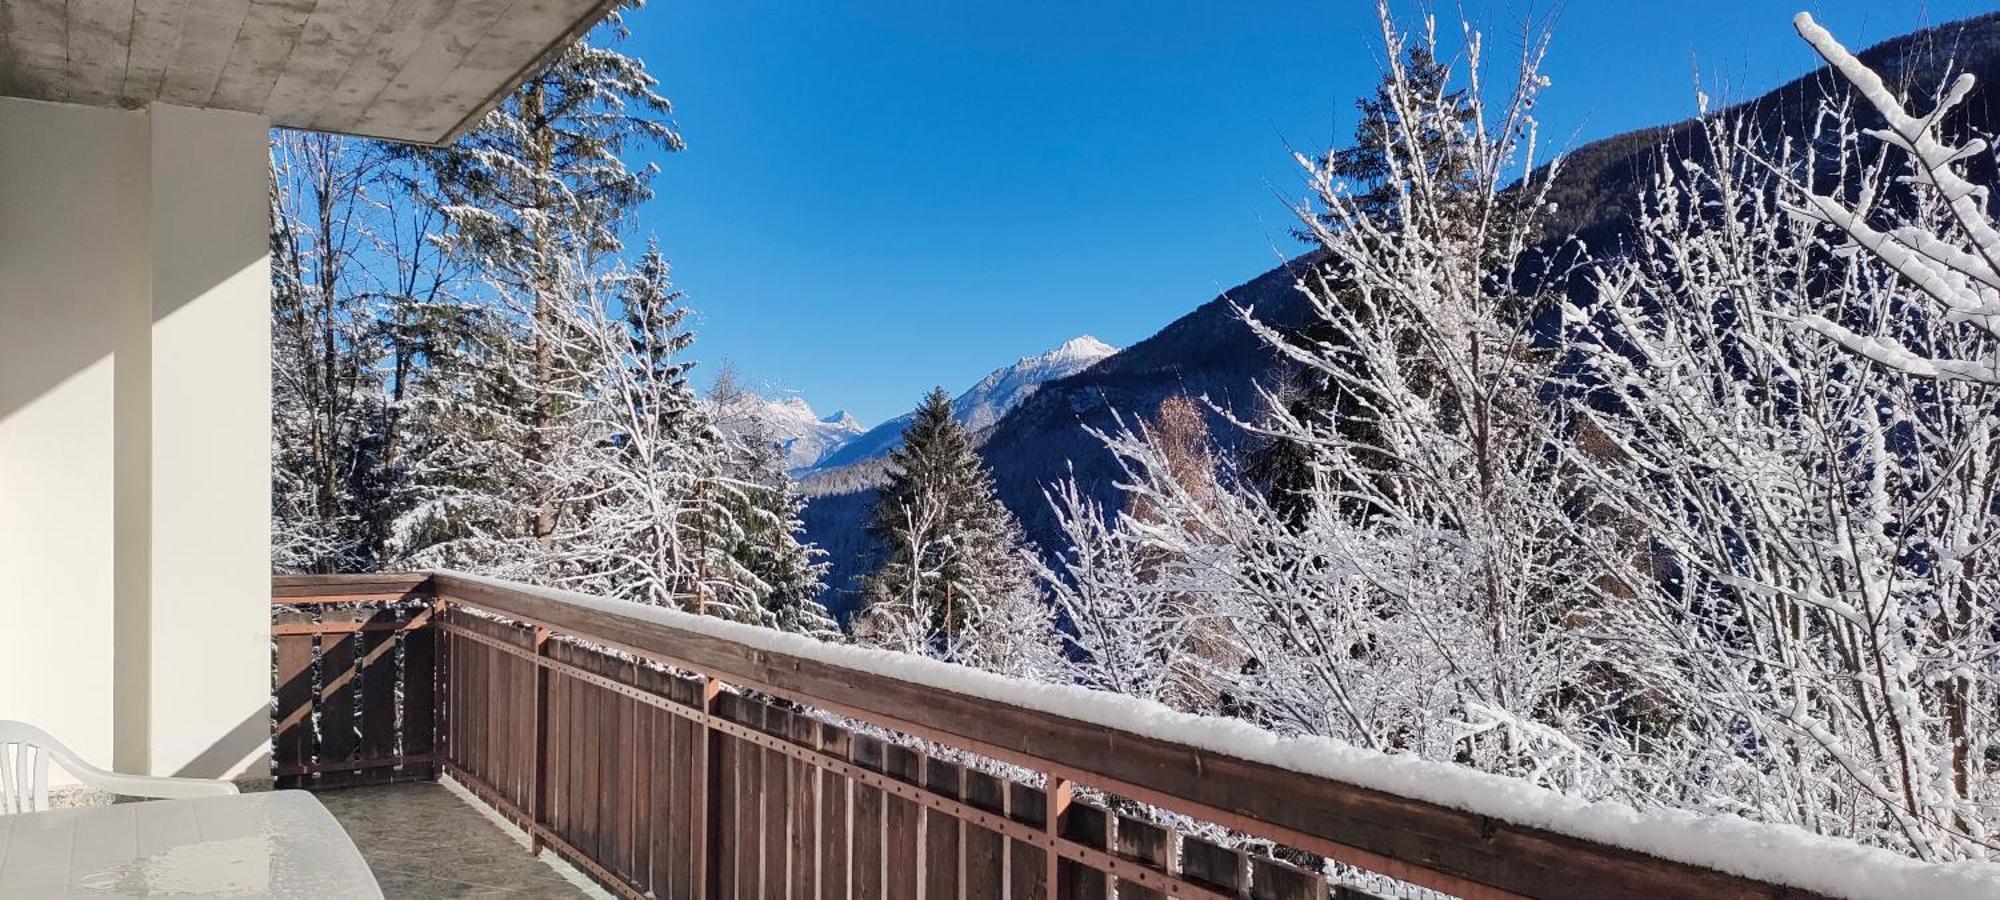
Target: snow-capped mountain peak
x=804 y=435
x=997 y=394
x=979 y=407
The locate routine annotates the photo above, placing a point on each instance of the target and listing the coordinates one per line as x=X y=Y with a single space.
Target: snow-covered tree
x=951 y=582
x=537 y=195
x=1410 y=587
x=1946 y=246
x=1121 y=585
x=1800 y=520
x=1442 y=514
x=630 y=486
x=328 y=403
x=785 y=574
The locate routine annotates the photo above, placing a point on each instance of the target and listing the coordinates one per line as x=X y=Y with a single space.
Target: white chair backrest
x=25 y=754
x=24 y=767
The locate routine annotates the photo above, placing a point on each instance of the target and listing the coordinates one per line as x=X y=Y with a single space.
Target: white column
x=134 y=433
x=211 y=441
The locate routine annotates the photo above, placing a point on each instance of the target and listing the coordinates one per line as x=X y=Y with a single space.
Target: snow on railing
x=1427 y=823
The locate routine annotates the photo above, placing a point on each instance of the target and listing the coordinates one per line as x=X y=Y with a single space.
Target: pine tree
x=537 y=195
x=785 y=573
x=1410 y=139
x=951 y=573
x=644 y=450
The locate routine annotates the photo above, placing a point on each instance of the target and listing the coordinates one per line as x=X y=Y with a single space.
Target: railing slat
x=834 y=855
x=941 y=833
x=1274 y=880
x=1144 y=843
x=868 y=804
x=985 y=849
x=420 y=698
x=1027 y=864
x=900 y=829
x=777 y=794
x=292 y=660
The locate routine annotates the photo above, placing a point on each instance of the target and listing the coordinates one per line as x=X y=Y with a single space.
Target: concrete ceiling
x=420 y=71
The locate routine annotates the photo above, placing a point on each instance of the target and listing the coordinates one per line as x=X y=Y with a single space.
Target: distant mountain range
x=805 y=436
x=980 y=406
x=1210 y=353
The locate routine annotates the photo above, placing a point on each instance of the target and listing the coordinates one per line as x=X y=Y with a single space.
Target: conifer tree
x=537 y=195
x=951 y=573
x=785 y=574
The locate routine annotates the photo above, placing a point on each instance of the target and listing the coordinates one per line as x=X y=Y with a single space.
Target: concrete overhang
x=418 y=71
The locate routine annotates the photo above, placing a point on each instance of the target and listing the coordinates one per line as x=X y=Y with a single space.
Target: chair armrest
x=155 y=786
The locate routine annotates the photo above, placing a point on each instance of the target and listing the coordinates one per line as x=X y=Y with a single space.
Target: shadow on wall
x=110 y=226
x=246 y=749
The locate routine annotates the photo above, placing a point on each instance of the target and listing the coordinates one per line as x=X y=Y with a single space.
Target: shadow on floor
x=433 y=840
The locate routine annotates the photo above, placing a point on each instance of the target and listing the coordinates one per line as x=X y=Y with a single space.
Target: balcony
x=666 y=755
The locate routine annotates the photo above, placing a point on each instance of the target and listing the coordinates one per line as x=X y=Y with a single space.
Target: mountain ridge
x=1208 y=352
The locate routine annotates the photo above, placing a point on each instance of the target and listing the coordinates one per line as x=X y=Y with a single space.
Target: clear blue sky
x=881 y=196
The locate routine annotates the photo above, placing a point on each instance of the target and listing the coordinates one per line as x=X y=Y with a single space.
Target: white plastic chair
x=25 y=752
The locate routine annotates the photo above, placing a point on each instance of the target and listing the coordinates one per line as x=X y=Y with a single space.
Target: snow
x=806 y=436
x=1779 y=854
x=985 y=403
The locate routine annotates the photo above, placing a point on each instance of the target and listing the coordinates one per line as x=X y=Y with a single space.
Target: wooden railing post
x=708 y=799
x=538 y=800
x=1058 y=793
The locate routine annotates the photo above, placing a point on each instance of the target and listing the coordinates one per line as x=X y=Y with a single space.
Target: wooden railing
x=669 y=762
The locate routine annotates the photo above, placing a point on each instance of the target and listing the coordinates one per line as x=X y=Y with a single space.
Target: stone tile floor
x=434 y=840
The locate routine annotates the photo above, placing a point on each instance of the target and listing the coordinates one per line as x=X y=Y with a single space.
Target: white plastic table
x=278 y=844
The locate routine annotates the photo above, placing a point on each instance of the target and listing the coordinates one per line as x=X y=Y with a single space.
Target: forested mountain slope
x=1210 y=353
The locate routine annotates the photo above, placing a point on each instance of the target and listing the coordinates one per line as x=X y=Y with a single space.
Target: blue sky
x=879 y=197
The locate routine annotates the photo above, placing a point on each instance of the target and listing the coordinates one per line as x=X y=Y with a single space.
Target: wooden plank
x=1271 y=879
x=339 y=712
x=834 y=853
x=868 y=806
x=941 y=833
x=420 y=698
x=1090 y=826
x=749 y=803
x=901 y=826
x=291 y=716
x=1026 y=862
x=1145 y=843
x=681 y=847
x=316 y=585
x=724 y=832
x=1213 y=866
x=608 y=789
x=1430 y=844
x=651 y=746
x=590 y=833
x=985 y=850
x=379 y=676
x=624 y=761
x=777 y=790
x=804 y=823
x=555 y=796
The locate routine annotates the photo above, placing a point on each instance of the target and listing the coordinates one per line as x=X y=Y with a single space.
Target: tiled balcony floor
x=432 y=840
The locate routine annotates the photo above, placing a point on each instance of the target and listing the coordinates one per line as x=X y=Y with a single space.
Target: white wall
x=134 y=433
